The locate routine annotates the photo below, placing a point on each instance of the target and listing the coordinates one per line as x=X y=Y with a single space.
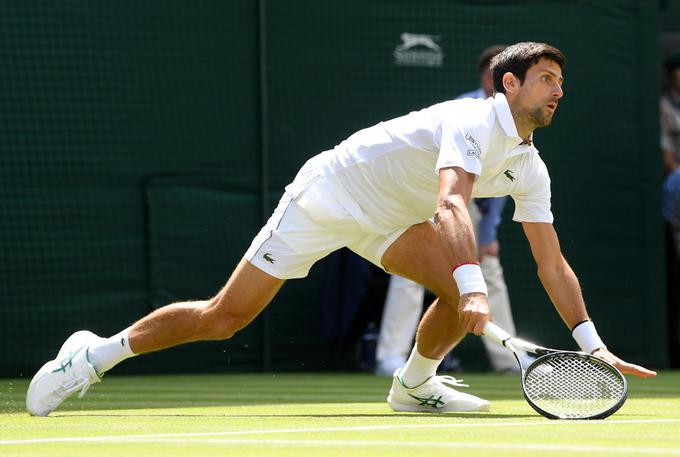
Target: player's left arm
x=561 y=284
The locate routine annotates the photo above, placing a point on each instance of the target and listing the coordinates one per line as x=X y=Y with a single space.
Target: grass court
x=325 y=414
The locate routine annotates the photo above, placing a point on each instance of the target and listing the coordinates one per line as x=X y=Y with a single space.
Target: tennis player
x=375 y=193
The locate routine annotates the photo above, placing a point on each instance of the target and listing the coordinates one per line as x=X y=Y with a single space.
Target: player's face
x=539 y=93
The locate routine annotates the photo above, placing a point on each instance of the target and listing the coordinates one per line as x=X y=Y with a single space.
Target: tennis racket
x=565 y=384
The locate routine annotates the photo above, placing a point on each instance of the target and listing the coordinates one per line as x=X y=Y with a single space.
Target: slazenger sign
x=418 y=50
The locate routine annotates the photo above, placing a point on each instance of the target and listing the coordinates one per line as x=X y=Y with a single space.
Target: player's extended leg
x=84 y=357
x=248 y=291
x=419 y=255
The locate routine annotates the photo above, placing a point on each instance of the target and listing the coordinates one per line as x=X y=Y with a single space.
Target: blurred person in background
x=404 y=299
x=670 y=152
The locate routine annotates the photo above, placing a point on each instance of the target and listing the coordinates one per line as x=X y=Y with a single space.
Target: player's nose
x=558 y=92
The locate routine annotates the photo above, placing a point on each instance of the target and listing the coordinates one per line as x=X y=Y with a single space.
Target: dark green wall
x=140 y=138
x=97 y=97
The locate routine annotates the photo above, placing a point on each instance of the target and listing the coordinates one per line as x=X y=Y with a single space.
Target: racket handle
x=496 y=333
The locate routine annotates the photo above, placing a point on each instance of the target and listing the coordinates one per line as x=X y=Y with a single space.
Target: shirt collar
x=504 y=115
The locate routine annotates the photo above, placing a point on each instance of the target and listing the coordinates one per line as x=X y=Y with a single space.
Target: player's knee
x=220 y=322
x=219 y=326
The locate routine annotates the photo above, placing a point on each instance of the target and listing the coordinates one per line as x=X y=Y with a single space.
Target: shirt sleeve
x=532 y=200
x=460 y=147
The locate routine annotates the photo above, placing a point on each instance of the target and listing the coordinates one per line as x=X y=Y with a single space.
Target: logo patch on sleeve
x=477 y=150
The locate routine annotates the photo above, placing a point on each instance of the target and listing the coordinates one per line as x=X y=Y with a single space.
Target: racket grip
x=496 y=333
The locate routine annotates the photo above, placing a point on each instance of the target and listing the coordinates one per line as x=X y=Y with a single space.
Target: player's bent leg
x=245 y=295
x=419 y=255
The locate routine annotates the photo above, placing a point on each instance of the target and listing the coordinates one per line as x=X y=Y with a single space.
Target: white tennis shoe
x=60 y=378
x=436 y=394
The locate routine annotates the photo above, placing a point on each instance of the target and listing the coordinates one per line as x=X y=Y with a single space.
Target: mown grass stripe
x=420 y=444
x=164 y=436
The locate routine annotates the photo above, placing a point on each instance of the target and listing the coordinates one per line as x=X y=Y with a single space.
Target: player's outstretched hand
x=473 y=312
x=624 y=367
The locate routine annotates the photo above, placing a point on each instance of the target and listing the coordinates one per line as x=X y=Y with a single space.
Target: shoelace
x=73 y=385
x=451 y=381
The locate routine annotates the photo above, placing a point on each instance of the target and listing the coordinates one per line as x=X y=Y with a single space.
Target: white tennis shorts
x=306 y=226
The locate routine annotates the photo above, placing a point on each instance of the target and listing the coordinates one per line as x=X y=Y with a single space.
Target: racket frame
x=512 y=344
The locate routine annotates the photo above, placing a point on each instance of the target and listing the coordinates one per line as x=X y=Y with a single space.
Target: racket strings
x=571 y=386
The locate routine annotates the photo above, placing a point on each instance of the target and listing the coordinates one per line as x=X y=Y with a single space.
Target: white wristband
x=469 y=279
x=587 y=338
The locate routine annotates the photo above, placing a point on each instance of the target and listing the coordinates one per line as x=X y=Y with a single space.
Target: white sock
x=109 y=352
x=418 y=368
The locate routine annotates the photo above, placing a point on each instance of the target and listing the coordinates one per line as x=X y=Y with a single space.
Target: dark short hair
x=487 y=54
x=518 y=58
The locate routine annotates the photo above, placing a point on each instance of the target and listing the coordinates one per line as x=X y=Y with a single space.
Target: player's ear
x=510 y=83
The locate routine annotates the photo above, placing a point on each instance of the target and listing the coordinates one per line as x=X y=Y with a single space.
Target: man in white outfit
x=404 y=298
x=376 y=193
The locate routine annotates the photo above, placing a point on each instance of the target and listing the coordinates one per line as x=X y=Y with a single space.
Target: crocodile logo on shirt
x=508 y=174
x=268 y=257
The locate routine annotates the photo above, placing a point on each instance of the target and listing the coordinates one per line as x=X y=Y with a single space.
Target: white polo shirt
x=386 y=176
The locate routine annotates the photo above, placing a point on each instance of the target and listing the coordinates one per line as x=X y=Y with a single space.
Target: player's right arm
x=462 y=139
x=452 y=219
x=454 y=226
